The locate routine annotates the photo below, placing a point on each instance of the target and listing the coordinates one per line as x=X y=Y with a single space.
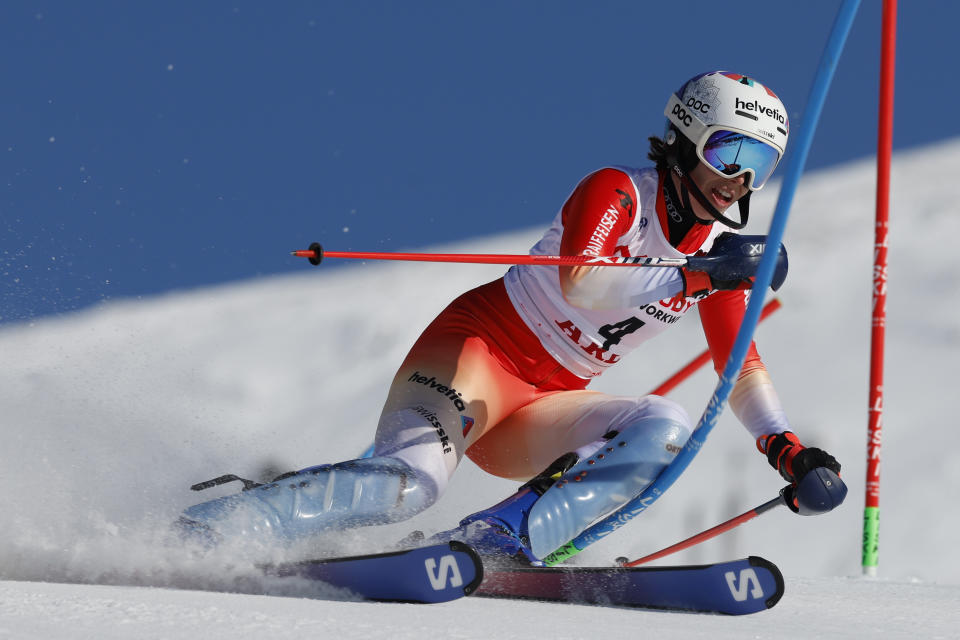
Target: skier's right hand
x=730 y=264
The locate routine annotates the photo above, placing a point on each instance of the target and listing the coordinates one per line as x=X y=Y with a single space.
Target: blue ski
x=736 y=587
x=434 y=573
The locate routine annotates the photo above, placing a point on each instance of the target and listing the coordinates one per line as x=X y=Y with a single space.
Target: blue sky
x=150 y=146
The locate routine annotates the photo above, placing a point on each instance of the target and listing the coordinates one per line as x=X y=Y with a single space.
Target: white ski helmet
x=731 y=122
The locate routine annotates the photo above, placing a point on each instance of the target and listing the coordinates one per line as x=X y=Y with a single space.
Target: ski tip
x=757 y=561
x=462 y=547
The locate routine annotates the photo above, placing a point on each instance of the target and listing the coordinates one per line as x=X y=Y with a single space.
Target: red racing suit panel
x=589 y=324
x=598 y=212
x=721 y=315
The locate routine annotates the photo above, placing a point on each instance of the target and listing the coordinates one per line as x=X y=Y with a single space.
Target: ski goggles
x=732 y=153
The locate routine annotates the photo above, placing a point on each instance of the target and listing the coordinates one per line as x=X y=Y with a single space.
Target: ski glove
x=813 y=474
x=730 y=264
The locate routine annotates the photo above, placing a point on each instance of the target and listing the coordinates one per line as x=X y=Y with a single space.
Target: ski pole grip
x=820 y=491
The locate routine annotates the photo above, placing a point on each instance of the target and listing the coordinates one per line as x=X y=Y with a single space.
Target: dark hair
x=682 y=152
x=658 y=152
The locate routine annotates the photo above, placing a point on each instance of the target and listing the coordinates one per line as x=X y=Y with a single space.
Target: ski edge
x=753 y=561
x=300 y=568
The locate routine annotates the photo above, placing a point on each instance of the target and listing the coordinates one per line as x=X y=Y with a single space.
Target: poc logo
x=682 y=115
x=747 y=582
x=697 y=105
x=446 y=572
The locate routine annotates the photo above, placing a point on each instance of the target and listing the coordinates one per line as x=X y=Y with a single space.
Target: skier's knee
x=660 y=423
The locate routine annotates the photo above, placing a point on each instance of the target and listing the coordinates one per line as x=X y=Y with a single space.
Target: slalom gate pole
x=709 y=534
x=871 y=512
x=687 y=370
x=682 y=374
x=795 y=163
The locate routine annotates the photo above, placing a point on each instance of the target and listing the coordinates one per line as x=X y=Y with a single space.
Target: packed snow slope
x=109 y=415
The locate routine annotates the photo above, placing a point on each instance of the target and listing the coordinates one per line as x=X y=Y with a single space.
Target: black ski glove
x=813 y=474
x=730 y=264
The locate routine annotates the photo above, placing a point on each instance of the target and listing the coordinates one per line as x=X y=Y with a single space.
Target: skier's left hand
x=813 y=474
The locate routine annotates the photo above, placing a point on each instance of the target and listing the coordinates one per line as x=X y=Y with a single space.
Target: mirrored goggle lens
x=732 y=153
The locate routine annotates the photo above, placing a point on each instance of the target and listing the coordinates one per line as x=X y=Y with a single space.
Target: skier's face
x=721 y=192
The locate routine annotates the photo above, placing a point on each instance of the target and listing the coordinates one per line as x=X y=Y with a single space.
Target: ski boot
x=574 y=492
x=499 y=533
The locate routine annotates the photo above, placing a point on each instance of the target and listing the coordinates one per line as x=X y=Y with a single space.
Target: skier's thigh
x=527 y=441
x=442 y=399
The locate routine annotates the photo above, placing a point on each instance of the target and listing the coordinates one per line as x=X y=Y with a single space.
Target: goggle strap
x=743 y=204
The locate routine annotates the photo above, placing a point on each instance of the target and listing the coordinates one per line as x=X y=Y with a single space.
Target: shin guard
x=348 y=494
x=614 y=474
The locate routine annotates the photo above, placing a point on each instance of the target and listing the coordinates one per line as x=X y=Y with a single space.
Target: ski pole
x=709 y=534
x=316 y=253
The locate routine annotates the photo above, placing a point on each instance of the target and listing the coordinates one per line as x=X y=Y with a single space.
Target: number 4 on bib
x=614 y=333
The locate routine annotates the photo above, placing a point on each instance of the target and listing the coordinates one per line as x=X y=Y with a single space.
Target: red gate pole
x=871 y=512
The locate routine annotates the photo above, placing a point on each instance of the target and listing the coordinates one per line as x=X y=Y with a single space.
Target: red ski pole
x=709 y=533
x=316 y=253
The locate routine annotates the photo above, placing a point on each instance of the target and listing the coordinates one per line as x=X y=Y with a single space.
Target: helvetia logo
x=759 y=108
x=455 y=396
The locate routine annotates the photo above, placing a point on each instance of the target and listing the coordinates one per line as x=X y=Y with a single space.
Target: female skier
x=501 y=374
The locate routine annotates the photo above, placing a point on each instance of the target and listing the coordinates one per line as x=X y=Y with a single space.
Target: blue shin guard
x=561 y=502
x=613 y=475
x=348 y=494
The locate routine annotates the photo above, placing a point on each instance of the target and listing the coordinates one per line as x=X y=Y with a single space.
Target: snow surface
x=108 y=415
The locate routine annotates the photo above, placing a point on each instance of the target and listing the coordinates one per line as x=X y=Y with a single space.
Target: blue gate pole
x=794 y=169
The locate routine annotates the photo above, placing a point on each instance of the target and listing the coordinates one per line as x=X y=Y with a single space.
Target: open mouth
x=723 y=196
